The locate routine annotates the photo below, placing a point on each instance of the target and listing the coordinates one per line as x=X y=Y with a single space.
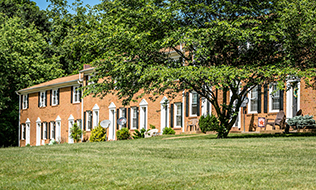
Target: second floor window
x=25 y=101
x=42 y=99
x=76 y=94
x=55 y=97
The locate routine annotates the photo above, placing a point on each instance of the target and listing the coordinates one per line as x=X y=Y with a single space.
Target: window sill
x=274 y=111
x=76 y=102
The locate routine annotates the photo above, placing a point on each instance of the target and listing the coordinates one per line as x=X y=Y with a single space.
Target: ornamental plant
x=302 y=121
x=123 y=134
x=208 y=123
x=75 y=132
x=139 y=134
x=98 y=134
x=168 y=131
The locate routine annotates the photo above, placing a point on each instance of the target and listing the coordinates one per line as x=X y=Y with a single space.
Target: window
x=178 y=114
x=25 y=101
x=123 y=114
x=23 y=132
x=76 y=94
x=95 y=117
x=55 y=95
x=253 y=100
x=274 y=99
x=89 y=79
x=52 y=129
x=44 y=131
x=194 y=103
x=42 y=99
x=134 y=118
x=89 y=120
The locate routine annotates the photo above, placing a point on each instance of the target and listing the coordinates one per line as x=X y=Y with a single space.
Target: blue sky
x=43 y=3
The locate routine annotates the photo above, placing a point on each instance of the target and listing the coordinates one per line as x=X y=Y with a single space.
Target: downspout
x=19 y=117
x=80 y=81
x=183 y=124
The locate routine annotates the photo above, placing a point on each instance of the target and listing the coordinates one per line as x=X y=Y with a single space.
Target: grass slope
x=199 y=162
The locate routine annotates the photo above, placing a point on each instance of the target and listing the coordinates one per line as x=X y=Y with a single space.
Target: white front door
x=70 y=139
x=111 y=135
x=293 y=101
x=27 y=140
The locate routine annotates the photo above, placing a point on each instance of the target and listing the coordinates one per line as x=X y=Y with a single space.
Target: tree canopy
x=228 y=45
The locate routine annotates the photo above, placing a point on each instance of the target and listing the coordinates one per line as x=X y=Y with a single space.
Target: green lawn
x=200 y=162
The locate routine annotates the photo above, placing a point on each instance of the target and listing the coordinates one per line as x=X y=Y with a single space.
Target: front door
x=111 y=135
x=38 y=134
x=293 y=100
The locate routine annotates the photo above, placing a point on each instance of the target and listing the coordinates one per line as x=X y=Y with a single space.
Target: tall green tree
x=23 y=63
x=230 y=46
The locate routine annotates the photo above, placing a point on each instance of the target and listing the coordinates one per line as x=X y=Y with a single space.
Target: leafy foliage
x=98 y=134
x=139 y=134
x=208 y=123
x=123 y=134
x=302 y=121
x=230 y=46
x=75 y=132
x=168 y=131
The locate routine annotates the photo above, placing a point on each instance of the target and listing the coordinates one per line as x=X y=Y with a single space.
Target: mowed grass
x=199 y=162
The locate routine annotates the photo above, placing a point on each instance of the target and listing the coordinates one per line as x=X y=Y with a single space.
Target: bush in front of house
x=168 y=131
x=302 y=121
x=98 y=134
x=208 y=123
x=123 y=134
x=139 y=134
x=75 y=132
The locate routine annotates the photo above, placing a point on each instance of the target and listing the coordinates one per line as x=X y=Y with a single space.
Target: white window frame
x=89 y=78
x=133 y=109
x=205 y=102
x=271 y=97
x=58 y=129
x=25 y=101
x=143 y=116
x=252 y=98
x=76 y=93
x=55 y=96
x=191 y=103
x=71 y=122
x=43 y=99
x=176 y=105
x=28 y=131
x=38 y=132
x=51 y=123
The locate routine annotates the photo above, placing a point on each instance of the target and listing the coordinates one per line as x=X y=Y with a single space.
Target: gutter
x=46 y=86
x=19 y=117
x=80 y=81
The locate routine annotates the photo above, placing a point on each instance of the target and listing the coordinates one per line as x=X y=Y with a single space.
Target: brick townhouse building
x=49 y=110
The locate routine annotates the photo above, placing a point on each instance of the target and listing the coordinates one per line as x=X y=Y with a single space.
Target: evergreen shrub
x=123 y=134
x=139 y=134
x=168 y=131
x=302 y=121
x=208 y=123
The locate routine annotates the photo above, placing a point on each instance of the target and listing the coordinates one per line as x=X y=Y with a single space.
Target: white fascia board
x=50 y=86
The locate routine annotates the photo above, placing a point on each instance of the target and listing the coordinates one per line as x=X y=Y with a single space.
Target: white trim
x=112 y=106
x=164 y=110
x=44 y=130
x=289 y=100
x=143 y=114
x=38 y=132
x=250 y=98
x=176 y=105
x=183 y=94
x=54 y=96
x=88 y=119
x=190 y=104
x=27 y=133
x=132 y=118
x=121 y=115
x=95 y=116
x=22 y=136
x=58 y=129
x=70 y=124
x=205 y=102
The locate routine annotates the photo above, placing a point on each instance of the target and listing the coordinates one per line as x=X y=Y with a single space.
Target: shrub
x=139 y=134
x=98 y=134
x=52 y=142
x=209 y=123
x=302 y=121
x=75 y=132
x=168 y=131
x=152 y=126
x=123 y=134
x=28 y=145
